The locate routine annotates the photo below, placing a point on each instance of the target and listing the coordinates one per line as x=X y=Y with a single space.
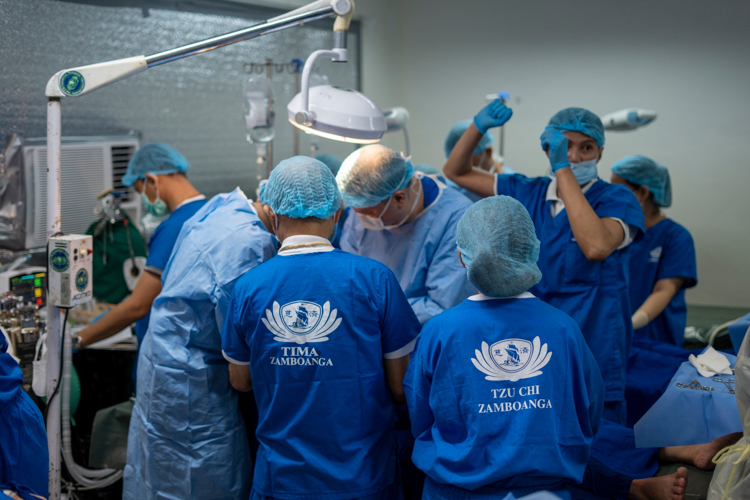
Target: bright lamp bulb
x=340 y=114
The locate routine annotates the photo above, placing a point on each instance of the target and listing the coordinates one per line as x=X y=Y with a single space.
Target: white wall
x=688 y=60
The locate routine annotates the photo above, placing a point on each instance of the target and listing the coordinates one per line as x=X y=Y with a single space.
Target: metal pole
x=53 y=313
x=501 y=152
x=238 y=36
x=296 y=130
x=269 y=144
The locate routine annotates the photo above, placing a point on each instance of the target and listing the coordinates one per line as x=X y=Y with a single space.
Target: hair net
x=426 y=169
x=332 y=161
x=372 y=174
x=499 y=247
x=579 y=120
x=455 y=134
x=644 y=171
x=154 y=158
x=302 y=187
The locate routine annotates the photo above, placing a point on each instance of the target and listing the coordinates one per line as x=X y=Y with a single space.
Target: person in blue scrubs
x=407 y=221
x=482 y=157
x=584 y=225
x=662 y=264
x=503 y=392
x=187 y=439
x=24 y=458
x=157 y=171
x=322 y=338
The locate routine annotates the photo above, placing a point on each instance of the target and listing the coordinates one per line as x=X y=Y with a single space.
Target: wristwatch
x=76 y=342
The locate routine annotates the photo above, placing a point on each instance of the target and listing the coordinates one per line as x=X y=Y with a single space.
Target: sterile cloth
x=711 y=363
x=684 y=416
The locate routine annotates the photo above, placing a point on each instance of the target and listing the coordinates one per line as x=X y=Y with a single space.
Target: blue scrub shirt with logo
x=503 y=393
x=314 y=329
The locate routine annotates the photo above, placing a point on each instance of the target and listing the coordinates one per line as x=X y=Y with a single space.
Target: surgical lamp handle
x=305 y=116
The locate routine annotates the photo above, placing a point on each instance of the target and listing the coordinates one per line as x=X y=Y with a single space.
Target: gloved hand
x=556 y=143
x=495 y=114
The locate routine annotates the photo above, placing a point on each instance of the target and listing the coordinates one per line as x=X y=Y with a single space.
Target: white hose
x=719 y=331
x=86 y=477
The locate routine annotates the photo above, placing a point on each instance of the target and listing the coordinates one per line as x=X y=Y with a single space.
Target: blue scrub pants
x=24 y=457
x=437 y=491
x=392 y=492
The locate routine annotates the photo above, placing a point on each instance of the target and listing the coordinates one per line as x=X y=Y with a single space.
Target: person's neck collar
x=304 y=243
x=479 y=297
x=553 y=195
x=187 y=200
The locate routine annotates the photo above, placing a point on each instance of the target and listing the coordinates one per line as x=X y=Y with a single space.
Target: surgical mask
x=584 y=171
x=157 y=208
x=376 y=223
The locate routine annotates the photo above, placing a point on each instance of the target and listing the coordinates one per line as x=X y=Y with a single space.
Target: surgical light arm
x=84 y=79
x=396 y=119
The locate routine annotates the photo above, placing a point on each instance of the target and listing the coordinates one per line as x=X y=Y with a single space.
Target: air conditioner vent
x=81 y=175
x=121 y=156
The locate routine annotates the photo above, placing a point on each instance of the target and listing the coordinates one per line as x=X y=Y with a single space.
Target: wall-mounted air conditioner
x=89 y=166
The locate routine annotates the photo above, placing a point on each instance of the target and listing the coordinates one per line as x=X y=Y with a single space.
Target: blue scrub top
x=503 y=392
x=422 y=254
x=666 y=251
x=160 y=247
x=10 y=374
x=314 y=329
x=595 y=294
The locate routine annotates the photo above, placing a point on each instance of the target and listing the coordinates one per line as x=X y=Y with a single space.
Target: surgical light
x=335 y=112
x=628 y=119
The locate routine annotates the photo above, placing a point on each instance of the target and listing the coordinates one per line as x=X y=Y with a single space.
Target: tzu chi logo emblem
x=511 y=359
x=301 y=321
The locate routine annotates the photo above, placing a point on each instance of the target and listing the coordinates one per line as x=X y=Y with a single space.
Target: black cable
x=59 y=375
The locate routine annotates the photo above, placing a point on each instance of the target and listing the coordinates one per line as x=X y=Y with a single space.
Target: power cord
x=59 y=375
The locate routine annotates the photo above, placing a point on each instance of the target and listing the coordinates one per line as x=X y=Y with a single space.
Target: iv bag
x=259 y=109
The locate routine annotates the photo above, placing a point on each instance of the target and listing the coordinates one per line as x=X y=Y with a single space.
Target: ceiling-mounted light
x=334 y=112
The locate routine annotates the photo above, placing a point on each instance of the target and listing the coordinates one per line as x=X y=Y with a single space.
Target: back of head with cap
x=499 y=246
x=455 y=134
x=154 y=158
x=372 y=174
x=302 y=187
x=579 y=120
x=643 y=171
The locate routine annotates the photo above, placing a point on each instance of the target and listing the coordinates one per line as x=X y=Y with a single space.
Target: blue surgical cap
x=332 y=161
x=302 y=187
x=579 y=120
x=499 y=246
x=457 y=131
x=426 y=169
x=372 y=174
x=644 y=171
x=154 y=158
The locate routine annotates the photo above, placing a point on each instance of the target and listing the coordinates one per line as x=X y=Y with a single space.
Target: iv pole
x=78 y=81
